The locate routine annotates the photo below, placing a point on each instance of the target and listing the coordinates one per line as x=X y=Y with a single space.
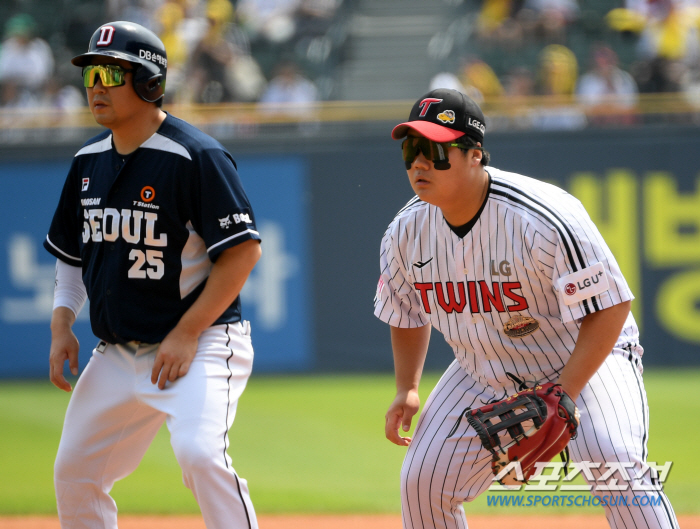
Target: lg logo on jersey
x=452 y=297
x=503 y=268
x=570 y=288
x=584 y=284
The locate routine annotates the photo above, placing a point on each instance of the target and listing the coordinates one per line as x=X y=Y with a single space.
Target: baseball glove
x=535 y=424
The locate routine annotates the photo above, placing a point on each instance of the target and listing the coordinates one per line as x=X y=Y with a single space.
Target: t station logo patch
x=148 y=194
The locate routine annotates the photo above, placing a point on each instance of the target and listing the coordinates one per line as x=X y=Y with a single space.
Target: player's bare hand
x=399 y=415
x=174 y=357
x=64 y=346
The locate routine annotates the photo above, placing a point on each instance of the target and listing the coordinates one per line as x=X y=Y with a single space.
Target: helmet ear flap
x=148 y=85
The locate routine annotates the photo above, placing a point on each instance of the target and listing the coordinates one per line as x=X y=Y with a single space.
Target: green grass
x=305 y=444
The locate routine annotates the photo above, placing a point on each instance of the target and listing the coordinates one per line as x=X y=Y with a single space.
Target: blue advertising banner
x=276 y=299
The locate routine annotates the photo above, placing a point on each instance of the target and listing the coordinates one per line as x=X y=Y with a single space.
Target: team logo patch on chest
x=520 y=326
x=148 y=194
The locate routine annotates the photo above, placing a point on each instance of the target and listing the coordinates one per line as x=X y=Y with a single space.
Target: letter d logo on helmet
x=137 y=45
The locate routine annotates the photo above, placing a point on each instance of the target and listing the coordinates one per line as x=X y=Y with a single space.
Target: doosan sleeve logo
x=583 y=284
x=234 y=218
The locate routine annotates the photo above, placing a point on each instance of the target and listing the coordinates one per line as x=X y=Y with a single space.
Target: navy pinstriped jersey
x=146 y=228
x=533 y=251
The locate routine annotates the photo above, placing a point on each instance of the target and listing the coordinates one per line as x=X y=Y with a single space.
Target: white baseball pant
x=115 y=412
x=439 y=472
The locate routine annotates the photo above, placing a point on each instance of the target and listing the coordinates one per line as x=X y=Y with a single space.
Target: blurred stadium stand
x=390 y=49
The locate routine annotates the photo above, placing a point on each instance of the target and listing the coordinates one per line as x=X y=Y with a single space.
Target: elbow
x=625 y=307
x=256 y=251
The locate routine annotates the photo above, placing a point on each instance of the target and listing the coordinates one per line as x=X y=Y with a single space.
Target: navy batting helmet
x=137 y=45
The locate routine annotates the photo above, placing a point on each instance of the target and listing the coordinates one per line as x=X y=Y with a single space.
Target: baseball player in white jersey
x=153 y=225
x=515 y=275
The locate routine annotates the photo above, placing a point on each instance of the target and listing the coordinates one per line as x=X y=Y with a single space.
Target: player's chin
x=102 y=117
x=423 y=190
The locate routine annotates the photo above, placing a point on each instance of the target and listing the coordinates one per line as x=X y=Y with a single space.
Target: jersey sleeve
x=396 y=301
x=225 y=217
x=63 y=239
x=581 y=267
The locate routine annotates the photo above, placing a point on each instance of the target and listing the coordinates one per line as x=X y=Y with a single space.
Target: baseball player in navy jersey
x=517 y=278
x=154 y=227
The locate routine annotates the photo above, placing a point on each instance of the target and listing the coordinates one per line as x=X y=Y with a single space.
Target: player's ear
x=477 y=154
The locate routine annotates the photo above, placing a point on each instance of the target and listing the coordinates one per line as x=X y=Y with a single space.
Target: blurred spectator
x=605 y=84
x=519 y=87
x=669 y=42
x=316 y=32
x=493 y=13
x=313 y=17
x=210 y=58
x=558 y=71
x=519 y=84
x=26 y=63
x=139 y=11
x=660 y=75
x=62 y=96
x=550 y=17
x=289 y=92
x=511 y=21
x=476 y=73
x=671 y=32
x=220 y=70
x=170 y=17
x=449 y=80
x=271 y=20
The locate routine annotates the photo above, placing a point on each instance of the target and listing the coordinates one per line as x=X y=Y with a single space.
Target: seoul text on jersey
x=109 y=224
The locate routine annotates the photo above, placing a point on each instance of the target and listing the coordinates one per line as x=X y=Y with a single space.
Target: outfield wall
x=323 y=202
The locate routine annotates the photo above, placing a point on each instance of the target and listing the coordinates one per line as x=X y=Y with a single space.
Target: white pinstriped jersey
x=533 y=251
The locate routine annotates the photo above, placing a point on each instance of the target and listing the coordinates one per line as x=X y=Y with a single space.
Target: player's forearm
x=62 y=320
x=228 y=275
x=597 y=337
x=410 y=347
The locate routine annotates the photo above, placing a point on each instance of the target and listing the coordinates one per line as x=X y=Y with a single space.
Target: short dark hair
x=470 y=143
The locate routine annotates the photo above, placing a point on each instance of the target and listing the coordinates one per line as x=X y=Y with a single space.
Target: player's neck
x=129 y=135
x=466 y=204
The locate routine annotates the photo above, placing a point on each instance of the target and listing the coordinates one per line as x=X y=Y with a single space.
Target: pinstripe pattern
x=528 y=236
x=440 y=472
x=542 y=233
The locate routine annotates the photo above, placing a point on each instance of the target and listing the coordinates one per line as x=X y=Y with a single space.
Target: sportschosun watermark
x=607 y=484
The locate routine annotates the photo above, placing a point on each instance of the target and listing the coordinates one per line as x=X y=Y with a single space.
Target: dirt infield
x=380 y=521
